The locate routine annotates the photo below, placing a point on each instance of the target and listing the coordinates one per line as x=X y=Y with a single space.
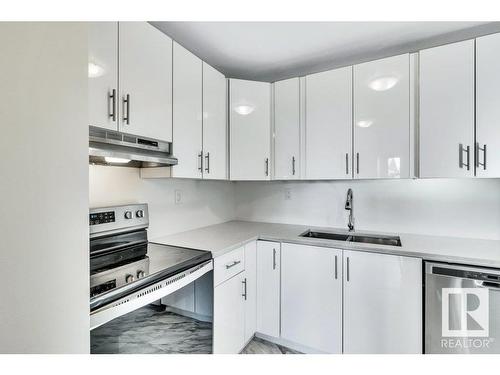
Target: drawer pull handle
x=228 y=266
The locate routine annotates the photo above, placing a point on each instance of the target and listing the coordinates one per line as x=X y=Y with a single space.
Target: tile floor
x=152 y=330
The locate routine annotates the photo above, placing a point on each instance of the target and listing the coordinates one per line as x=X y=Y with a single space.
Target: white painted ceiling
x=270 y=51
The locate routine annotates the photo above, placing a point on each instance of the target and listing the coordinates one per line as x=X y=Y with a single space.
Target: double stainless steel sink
x=353 y=237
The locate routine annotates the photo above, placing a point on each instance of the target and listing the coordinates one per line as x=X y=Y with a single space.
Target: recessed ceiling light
x=383 y=83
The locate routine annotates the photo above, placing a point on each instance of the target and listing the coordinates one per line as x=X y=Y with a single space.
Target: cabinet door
x=187 y=136
x=311 y=296
x=382 y=303
x=214 y=124
x=287 y=129
x=328 y=128
x=103 y=74
x=268 y=288
x=250 y=129
x=229 y=316
x=447 y=110
x=251 y=290
x=382 y=118
x=145 y=60
x=488 y=106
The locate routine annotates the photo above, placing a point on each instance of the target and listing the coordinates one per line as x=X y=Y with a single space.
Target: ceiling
x=270 y=51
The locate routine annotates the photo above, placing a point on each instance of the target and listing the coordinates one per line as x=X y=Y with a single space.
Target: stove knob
x=128 y=214
x=129 y=278
x=140 y=274
x=139 y=213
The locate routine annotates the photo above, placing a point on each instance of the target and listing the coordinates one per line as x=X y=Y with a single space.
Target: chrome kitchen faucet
x=349 y=206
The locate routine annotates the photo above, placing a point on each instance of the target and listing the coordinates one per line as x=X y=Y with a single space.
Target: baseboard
x=189 y=314
x=289 y=344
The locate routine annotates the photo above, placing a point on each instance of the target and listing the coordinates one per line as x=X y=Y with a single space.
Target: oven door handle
x=148 y=294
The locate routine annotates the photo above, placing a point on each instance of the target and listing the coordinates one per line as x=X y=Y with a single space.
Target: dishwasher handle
x=490 y=277
x=487 y=284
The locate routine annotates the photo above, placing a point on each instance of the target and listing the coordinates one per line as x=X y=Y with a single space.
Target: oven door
x=138 y=323
x=148 y=295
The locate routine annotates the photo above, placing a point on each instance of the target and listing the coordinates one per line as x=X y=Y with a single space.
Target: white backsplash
x=449 y=207
x=462 y=208
x=202 y=202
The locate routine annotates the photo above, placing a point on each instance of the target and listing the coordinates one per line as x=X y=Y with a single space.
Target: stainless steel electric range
x=126 y=271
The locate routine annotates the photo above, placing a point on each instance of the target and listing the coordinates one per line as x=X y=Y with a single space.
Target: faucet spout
x=350 y=207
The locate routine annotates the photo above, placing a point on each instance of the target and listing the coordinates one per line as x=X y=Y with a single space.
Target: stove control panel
x=108 y=220
x=102 y=217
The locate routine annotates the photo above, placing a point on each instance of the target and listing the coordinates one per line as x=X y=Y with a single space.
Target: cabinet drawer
x=228 y=265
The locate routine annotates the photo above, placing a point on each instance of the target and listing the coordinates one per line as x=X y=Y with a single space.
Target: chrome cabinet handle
x=274 y=259
x=484 y=157
x=267 y=166
x=478 y=149
x=200 y=157
x=347 y=273
x=357 y=162
x=207 y=159
x=126 y=114
x=112 y=105
x=336 y=273
x=293 y=165
x=461 y=150
x=244 y=288
x=228 y=266
x=346 y=163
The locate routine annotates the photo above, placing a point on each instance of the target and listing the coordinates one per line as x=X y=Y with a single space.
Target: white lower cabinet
x=250 y=291
x=234 y=300
x=311 y=297
x=268 y=288
x=229 y=316
x=318 y=299
x=382 y=303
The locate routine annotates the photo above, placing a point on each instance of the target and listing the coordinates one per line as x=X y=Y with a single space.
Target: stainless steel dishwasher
x=462 y=309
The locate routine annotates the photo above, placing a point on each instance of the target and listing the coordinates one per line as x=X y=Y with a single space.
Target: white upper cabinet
x=250 y=130
x=145 y=66
x=311 y=297
x=328 y=125
x=214 y=124
x=187 y=117
x=382 y=303
x=287 y=129
x=447 y=109
x=382 y=118
x=488 y=106
x=103 y=74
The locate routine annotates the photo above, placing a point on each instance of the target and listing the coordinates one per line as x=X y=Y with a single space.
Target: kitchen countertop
x=221 y=238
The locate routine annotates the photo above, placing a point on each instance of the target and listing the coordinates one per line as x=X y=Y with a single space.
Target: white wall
x=463 y=208
x=44 y=260
x=203 y=202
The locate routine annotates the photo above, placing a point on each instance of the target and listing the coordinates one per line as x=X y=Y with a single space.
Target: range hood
x=108 y=147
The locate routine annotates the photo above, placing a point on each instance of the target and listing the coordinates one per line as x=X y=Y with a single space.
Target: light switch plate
x=288 y=194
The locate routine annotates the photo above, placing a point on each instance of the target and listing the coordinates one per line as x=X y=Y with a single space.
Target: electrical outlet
x=288 y=194
x=178 y=196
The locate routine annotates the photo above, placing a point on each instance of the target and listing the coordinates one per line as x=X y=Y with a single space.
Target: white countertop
x=221 y=238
